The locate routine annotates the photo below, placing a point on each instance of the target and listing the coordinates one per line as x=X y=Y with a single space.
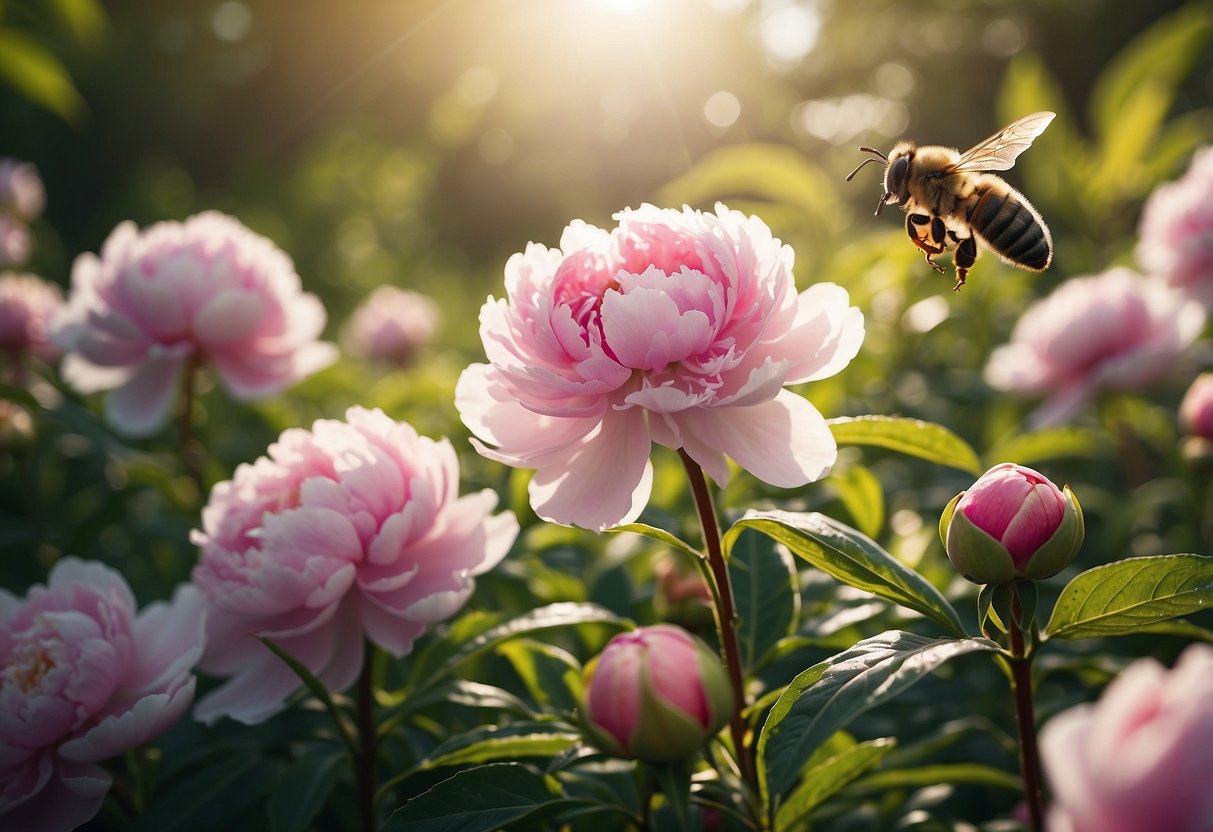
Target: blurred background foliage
x=421 y=143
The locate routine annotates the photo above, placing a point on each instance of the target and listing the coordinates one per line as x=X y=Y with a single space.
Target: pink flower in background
x=348 y=531
x=1140 y=759
x=15 y=241
x=21 y=191
x=27 y=304
x=83 y=678
x=677 y=327
x=1176 y=231
x=1196 y=409
x=1115 y=331
x=391 y=325
x=207 y=290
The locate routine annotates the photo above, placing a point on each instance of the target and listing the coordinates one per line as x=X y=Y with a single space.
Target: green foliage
x=1128 y=595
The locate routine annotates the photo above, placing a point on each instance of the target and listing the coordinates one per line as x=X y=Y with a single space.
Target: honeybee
x=949 y=198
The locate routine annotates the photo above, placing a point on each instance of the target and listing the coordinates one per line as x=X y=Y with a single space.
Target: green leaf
x=852 y=558
x=35 y=72
x=303 y=790
x=1047 y=444
x=552 y=676
x=862 y=496
x=827 y=696
x=481 y=799
x=1127 y=595
x=827 y=778
x=1152 y=65
x=550 y=617
x=660 y=535
x=491 y=742
x=317 y=688
x=914 y=437
x=765 y=591
x=85 y=19
x=973 y=774
x=213 y=797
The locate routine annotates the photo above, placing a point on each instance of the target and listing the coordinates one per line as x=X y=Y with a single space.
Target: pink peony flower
x=676 y=327
x=656 y=693
x=207 y=290
x=82 y=679
x=1115 y=330
x=1012 y=523
x=353 y=529
x=15 y=241
x=1140 y=759
x=1196 y=409
x=21 y=191
x=27 y=304
x=391 y=325
x=1176 y=231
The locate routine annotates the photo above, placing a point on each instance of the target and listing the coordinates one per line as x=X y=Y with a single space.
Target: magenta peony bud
x=1196 y=409
x=656 y=694
x=1013 y=523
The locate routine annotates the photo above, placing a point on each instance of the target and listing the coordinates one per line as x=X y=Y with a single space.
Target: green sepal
x=976 y=555
x=1029 y=601
x=986 y=611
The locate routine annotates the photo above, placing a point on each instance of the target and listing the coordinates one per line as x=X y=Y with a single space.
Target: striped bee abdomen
x=1010 y=226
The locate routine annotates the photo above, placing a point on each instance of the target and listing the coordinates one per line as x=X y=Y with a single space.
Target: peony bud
x=1196 y=409
x=656 y=694
x=1013 y=523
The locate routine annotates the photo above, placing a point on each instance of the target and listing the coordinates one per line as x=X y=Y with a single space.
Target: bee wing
x=1000 y=150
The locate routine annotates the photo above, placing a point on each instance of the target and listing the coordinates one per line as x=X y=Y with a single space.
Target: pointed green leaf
x=37 y=74
x=660 y=535
x=765 y=583
x=316 y=687
x=303 y=790
x=552 y=616
x=1127 y=595
x=914 y=437
x=481 y=799
x=827 y=778
x=852 y=558
x=973 y=774
x=827 y=696
x=491 y=742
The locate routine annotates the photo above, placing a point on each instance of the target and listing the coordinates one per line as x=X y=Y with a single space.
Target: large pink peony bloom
x=207 y=290
x=27 y=305
x=1176 y=231
x=1141 y=759
x=353 y=529
x=392 y=324
x=676 y=327
x=82 y=679
x=1115 y=330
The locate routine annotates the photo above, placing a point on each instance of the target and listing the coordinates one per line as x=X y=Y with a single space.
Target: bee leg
x=965 y=257
x=922 y=230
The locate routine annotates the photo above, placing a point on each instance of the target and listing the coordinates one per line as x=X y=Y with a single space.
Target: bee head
x=896 y=179
x=896 y=174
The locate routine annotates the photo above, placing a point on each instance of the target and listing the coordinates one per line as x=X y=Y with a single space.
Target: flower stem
x=191 y=450
x=1021 y=686
x=366 y=741
x=726 y=615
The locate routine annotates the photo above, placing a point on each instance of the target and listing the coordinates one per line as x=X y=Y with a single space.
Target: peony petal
x=141 y=406
x=71 y=797
x=603 y=481
x=231 y=315
x=784 y=442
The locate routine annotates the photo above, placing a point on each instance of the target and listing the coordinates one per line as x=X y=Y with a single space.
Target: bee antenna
x=877 y=157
